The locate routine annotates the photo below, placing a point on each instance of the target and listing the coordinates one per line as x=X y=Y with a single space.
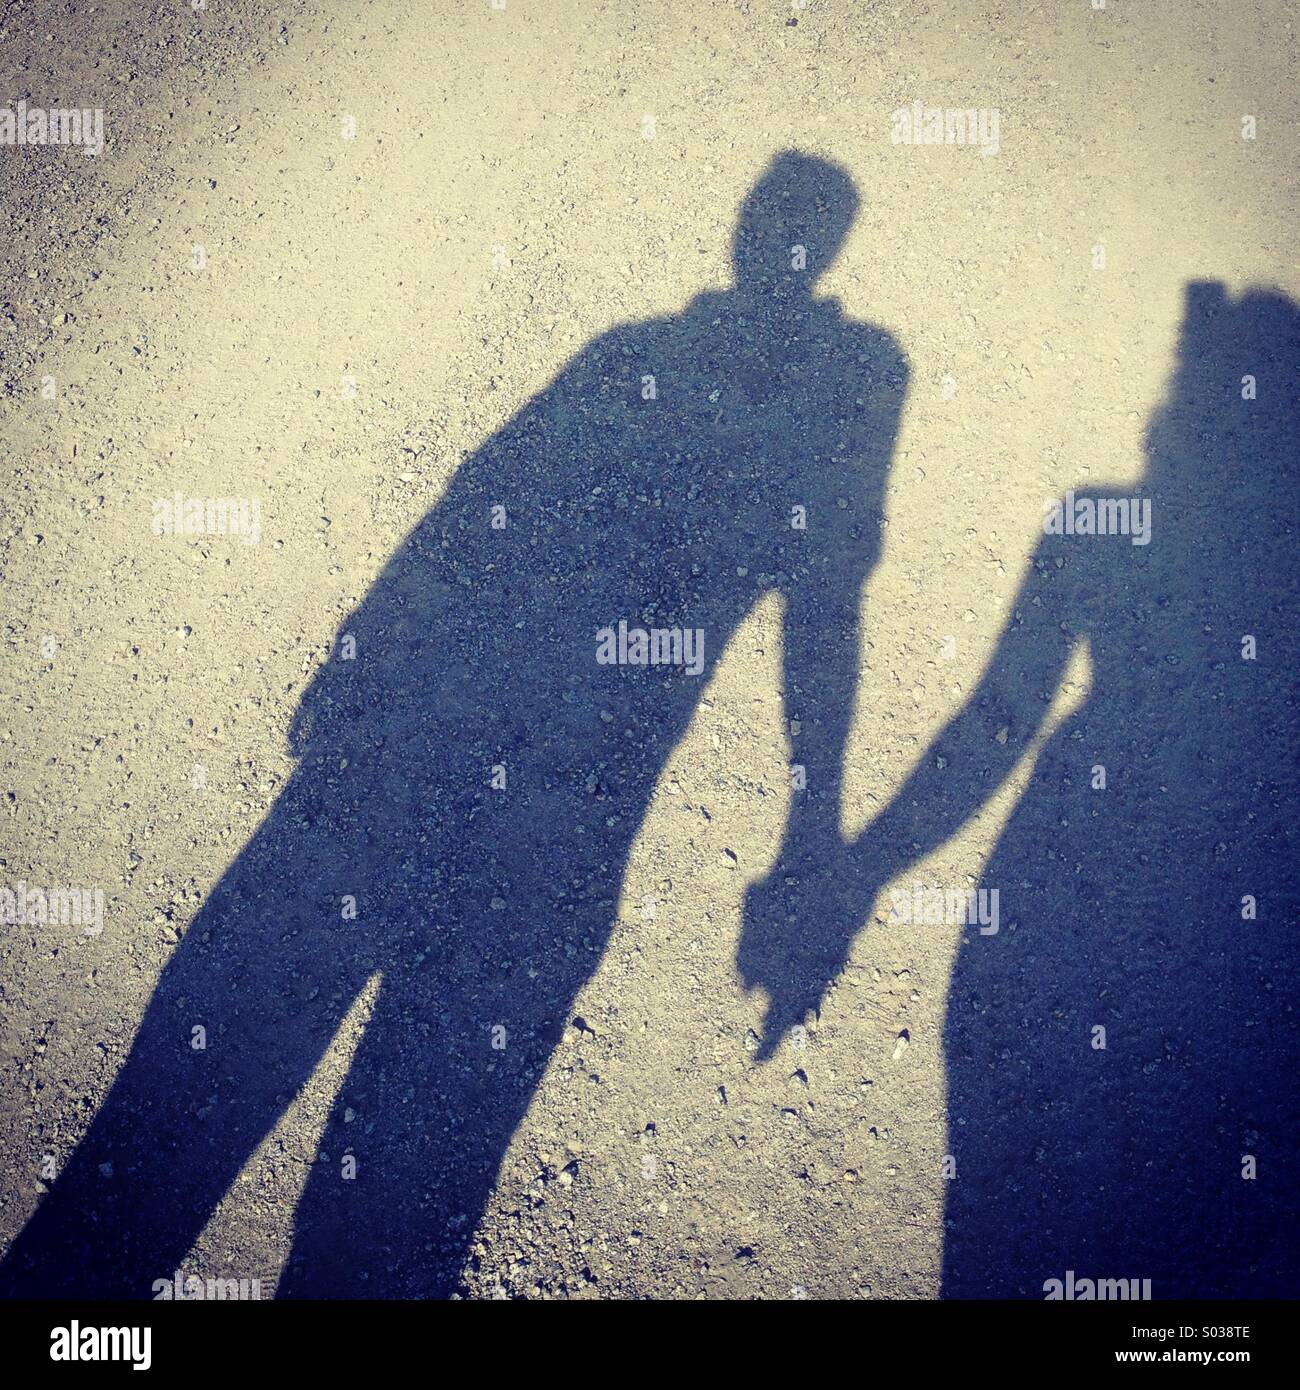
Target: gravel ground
x=623 y=1011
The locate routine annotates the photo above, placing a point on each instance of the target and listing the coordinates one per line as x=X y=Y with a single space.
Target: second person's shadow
x=1121 y=1052
x=672 y=474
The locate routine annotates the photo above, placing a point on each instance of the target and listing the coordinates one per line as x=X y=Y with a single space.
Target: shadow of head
x=793 y=224
x=1225 y=433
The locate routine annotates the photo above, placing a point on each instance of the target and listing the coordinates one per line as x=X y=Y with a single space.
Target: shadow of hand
x=797 y=928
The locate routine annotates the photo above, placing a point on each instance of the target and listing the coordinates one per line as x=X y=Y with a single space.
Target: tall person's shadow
x=1122 y=1052
x=473 y=771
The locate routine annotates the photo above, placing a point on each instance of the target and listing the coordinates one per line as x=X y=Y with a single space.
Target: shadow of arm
x=972 y=757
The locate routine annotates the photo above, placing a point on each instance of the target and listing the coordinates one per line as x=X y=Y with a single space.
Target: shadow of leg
x=241 y=1015
x=458 y=1042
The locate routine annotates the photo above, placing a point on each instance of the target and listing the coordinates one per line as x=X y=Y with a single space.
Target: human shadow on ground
x=1160 y=906
x=673 y=473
